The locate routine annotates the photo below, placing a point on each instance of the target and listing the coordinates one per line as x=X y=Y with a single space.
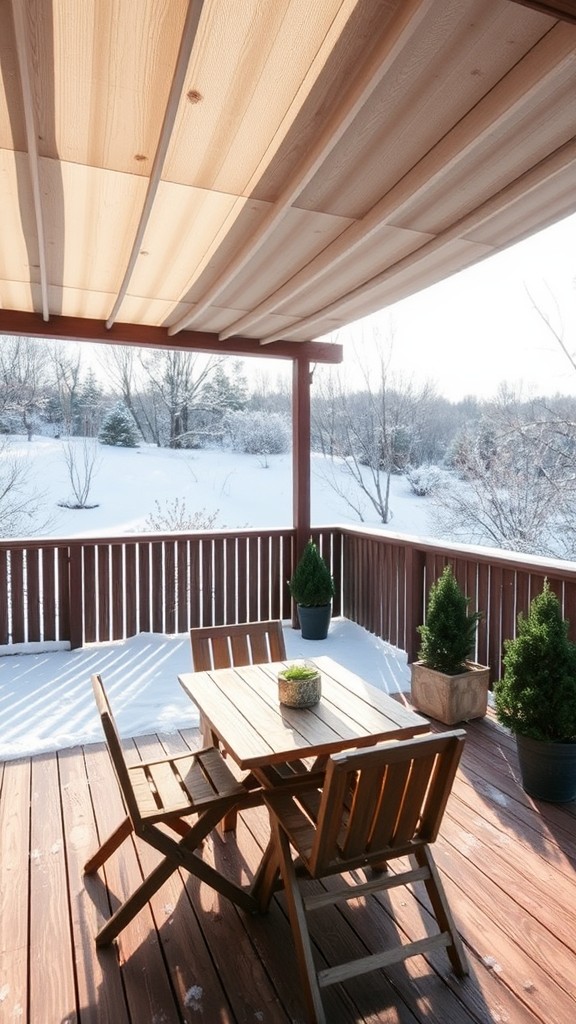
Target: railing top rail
x=31 y=543
x=494 y=556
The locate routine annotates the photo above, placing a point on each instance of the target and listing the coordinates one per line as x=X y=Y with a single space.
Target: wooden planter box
x=450 y=699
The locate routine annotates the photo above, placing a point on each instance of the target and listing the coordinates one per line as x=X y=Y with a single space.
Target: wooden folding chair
x=251 y=643
x=166 y=791
x=377 y=804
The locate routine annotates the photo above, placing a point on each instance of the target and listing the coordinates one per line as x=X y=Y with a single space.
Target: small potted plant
x=299 y=685
x=312 y=588
x=446 y=683
x=536 y=699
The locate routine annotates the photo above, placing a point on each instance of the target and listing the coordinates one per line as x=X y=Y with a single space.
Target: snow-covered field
x=46 y=698
x=127 y=482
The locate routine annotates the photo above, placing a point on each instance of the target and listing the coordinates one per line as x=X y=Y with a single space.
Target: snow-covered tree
x=23 y=375
x=81 y=459
x=369 y=434
x=118 y=428
x=424 y=479
x=20 y=504
x=515 y=485
x=88 y=406
x=258 y=433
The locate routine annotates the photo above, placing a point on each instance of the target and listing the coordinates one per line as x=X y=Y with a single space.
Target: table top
x=241 y=706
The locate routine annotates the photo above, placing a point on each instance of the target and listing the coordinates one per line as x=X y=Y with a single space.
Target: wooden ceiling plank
x=532 y=179
x=84 y=329
x=565 y=10
x=186 y=44
x=21 y=37
x=514 y=92
x=408 y=19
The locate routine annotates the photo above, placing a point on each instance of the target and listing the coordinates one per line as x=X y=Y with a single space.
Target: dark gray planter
x=314 y=622
x=548 y=770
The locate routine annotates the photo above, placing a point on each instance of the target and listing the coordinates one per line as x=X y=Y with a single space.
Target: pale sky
x=479 y=328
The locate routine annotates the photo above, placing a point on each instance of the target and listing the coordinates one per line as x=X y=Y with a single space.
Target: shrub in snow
x=118 y=428
x=424 y=479
x=258 y=433
x=174 y=517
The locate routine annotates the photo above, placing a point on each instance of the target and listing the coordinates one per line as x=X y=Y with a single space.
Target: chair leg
x=136 y=902
x=301 y=936
x=176 y=855
x=109 y=846
x=266 y=878
x=443 y=914
x=229 y=822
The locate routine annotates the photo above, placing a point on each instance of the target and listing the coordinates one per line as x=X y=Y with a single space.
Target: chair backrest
x=115 y=750
x=251 y=643
x=383 y=801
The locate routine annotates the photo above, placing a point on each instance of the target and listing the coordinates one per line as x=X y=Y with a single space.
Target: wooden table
x=241 y=707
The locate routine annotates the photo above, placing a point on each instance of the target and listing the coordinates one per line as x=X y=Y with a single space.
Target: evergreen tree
x=118 y=428
x=450 y=630
x=88 y=406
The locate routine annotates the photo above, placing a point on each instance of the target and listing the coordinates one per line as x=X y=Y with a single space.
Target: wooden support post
x=300 y=456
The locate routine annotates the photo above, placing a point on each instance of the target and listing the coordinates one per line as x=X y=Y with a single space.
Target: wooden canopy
x=229 y=174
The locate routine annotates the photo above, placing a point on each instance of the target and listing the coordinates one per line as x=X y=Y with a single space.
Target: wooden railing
x=386 y=579
x=107 y=588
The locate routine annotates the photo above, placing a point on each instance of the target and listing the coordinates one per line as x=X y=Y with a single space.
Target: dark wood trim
x=31 y=325
x=565 y=10
x=301 y=452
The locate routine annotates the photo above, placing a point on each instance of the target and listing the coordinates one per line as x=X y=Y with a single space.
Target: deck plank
x=101 y=995
x=14 y=867
x=508 y=863
x=52 y=980
x=199 y=991
x=148 y=990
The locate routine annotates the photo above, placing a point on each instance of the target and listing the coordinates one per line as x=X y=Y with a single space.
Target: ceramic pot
x=299 y=693
x=314 y=622
x=450 y=699
x=548 y=769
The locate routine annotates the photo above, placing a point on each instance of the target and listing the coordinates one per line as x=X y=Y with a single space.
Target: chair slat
x=224 y=783
x=141 y=788
x=411 y=811
x=365 y=804
x=169 y=792
x=201 y=652
x=220 y=652
x=391 y=801
x=241 y=651
x=332 y=809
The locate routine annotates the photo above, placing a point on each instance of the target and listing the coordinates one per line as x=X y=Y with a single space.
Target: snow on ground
x=46 y=700
x=128 y=481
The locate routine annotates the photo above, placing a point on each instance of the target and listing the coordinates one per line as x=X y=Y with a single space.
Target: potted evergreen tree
x=446 y=684
x=536 y=699
x=312 y=588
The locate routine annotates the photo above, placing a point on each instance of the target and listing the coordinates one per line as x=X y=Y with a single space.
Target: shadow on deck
x=508 y=864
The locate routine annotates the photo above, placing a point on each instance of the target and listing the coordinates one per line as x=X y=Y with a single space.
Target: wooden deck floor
x=509 y=867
